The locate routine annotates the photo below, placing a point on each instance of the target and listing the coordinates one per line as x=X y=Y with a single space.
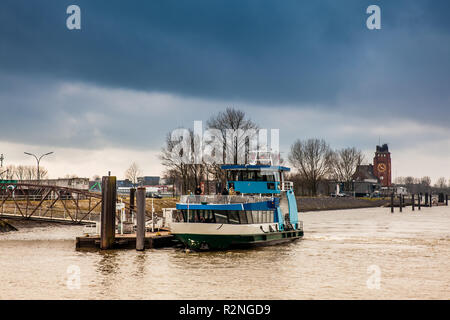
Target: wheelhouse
x=262 y=179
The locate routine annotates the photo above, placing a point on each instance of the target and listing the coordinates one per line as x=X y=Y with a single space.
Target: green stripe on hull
x=222 y=242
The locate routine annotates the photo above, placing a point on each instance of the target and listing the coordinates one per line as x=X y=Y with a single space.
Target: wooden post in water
x=108 y=216
x=401 y=203
x=446 y=199
x=140 y=219
x=392 y=202
x=431 y=197
x=132 y=193
x=419 y=200
x=426 y=199
x=413 y=200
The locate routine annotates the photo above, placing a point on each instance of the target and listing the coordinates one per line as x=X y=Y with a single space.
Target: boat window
x=267 y=214
x=249 y=216
x=271 y=217
x=244 y=175
x=243 y=217
x=178 y=216
x=220 y=217
x=259 y=176
x=233 y=217
x=251 y=175
x=255 y=216
x=192 y=216
x=209 y=217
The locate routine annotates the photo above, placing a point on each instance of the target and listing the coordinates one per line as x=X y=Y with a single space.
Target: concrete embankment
x=328 y=203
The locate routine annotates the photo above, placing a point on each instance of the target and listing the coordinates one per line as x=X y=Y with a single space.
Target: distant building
x=124 y=183
x=382 y=165
x=148 y=181
x=370 y=178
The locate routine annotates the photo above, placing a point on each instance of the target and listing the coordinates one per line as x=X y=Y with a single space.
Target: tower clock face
x=381 y=167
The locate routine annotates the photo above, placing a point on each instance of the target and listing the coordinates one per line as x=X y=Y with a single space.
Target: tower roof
x=383 y=148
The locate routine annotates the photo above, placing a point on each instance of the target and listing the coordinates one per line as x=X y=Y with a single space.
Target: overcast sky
x=106 y=95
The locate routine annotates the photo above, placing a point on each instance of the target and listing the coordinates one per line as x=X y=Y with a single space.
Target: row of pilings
x=428 y=202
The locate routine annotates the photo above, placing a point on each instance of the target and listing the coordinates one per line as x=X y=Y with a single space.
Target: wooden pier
x=162 y=239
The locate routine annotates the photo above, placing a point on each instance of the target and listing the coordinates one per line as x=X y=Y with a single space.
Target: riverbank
x=305 y=204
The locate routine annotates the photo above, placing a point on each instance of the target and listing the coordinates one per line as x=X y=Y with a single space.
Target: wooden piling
x=426 y=199
x=419 y=196
x=431 y=198
x=401 y=203
x=446 y=199
x=140 y=219
x=108 y=215
x=392 y=202
x=413 y=202
x=132 y=193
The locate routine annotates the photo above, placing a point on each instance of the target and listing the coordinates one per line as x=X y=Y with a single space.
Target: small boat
x=261 y=210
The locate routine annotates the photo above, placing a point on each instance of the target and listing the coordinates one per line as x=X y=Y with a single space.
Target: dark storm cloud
x=291 y=52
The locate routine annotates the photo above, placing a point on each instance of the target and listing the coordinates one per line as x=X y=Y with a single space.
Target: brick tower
x=382 y=165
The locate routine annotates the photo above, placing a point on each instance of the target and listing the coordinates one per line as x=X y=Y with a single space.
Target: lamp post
x=38 y=161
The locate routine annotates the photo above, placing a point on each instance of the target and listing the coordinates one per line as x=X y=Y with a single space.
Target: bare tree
x=441 y=183
x=409 y=180
x=20 y=172
x=233 y=125
x=399 y=180
x=345 y=162
x=313 y=159
x=133 y=172
x=425 y=181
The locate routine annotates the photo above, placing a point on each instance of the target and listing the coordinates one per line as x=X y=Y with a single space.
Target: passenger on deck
x=225 y=192
x=231 y=191
x=198 y=191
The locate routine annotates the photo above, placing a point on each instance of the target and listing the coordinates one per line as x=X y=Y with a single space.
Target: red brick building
x=382 y=165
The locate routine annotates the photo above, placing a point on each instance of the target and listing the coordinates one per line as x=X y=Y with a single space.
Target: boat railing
x=222 y=199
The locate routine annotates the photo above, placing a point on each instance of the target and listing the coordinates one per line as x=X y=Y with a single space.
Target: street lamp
x=38 y=160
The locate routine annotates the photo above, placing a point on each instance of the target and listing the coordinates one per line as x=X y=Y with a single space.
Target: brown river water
x=347 y=254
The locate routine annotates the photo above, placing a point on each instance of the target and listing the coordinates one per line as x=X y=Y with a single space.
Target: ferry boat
x=262 y=211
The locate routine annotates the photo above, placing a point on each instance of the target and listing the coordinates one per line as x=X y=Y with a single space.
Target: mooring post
x=446 y=199
x=419 y=200
x=413 y=200
x=392 y=202
x=108 y=216
x=431 y=204
x=401 y=203
x=140 y=219
x=132 y=193
x=426 y=199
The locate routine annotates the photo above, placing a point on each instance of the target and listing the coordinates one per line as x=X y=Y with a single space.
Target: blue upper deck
x=248 y=179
